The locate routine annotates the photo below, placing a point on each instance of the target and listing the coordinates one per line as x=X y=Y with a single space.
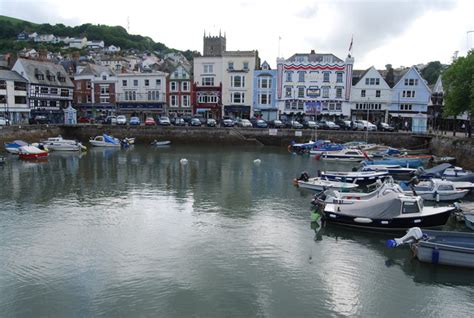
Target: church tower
x=214 y=45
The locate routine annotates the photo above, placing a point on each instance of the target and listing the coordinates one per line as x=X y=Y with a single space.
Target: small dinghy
x=321 y=184
x=439 y=247
x=435 y=190
x=161 y=143
x=359 y=177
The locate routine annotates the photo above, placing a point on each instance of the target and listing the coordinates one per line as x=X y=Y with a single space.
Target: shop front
x=237 y=111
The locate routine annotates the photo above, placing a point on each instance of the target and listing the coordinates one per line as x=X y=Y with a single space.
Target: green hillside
x=116 y=35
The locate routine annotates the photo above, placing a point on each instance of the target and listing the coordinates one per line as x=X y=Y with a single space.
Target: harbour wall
x=460 y=148
x=29 y=133
x=242 y=136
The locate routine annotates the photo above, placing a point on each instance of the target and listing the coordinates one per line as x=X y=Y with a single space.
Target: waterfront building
x=370 y=97
x=94 y=89
x=314 y=83
x=264 y=93
x=410 y=98
x=50 y=89
x=178 y=91
x=13 y=97
x=141 y=94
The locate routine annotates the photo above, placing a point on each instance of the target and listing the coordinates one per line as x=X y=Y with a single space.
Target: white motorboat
x=105 y=141
x=387 y=208
x=321 y=184
x=394 y=170
x=161 y=143
x=351 y=155
x=14 y=147
x=360 y=177
x=435 y=190
x=60 y=144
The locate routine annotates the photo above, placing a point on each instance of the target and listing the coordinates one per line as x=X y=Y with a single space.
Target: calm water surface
x=134 y=234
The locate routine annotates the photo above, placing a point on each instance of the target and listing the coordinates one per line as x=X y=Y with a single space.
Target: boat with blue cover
x=14 y=146
x=105 y=141
x=409 y=162
x=325 y=147
x=446 y=171
x=346 y=154
x=439 y=247
x=393 y=170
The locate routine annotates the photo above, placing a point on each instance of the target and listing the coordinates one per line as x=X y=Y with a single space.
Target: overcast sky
x=404 y=32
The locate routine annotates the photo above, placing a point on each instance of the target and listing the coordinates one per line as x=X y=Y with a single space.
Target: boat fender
x=435 y=256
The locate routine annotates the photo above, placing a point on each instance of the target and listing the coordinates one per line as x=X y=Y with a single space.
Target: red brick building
x=179 y=91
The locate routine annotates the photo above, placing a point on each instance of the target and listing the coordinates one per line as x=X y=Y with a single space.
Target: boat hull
x=395 y=224
x=429 y=196
x=322 y=186
x=331 y=157
x=357 y=179
x=65 y=147
x=96 y=143
x=31 y=156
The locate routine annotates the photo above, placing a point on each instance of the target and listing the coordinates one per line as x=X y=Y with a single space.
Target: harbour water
x=134 y=233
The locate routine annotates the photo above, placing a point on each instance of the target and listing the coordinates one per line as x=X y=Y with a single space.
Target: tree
x=389 y=77
x=458 y=82
x=431 y=71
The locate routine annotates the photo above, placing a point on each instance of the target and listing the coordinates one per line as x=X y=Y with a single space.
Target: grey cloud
x=372 y=23
x=308 y=12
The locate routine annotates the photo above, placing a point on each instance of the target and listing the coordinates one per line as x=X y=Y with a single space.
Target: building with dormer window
x=179 y=91
x=50 y=89
x=314 y=83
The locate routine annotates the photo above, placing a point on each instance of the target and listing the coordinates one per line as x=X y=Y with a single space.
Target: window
x=208 y=68
x=88 y=84
x=288 y=76
x=54 y=91
x=367 y=81
x=287 y=104
x=20 y=99
x=158 y=82
x=78 y=85
x=185 y=86
x=325 y=92
x=377 y=93
x=173 y=86
x=237 y=81
x=44 y=90
x=208 y=81
x=104 y=89
x=339 y=77
x=372 y=81
x=238 y=98
x=338 y=106
x=104 y=99
x=124 y=82
x=230 y=66
x=264 y=82
x=104 y=77
x=301 y=76
x=135 y=82
x=325 y=76
x=445 y=187
x=185 y=101
x=410 y=207
x=147 y=82
x=288 y=91
x=89 y=98
x=52 y=103
x=377 y=81
x=174 y=100
x=207 y=99
x=313 y=76
x=301 y=92
x=246 y=66
x=362 y=93
x=338 y=92
x=153 y=95
x=264 y=98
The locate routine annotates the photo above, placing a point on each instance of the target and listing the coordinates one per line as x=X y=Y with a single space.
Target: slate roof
x=96 y=70
x=314 y=57
x=32 y=67
x=11 y=76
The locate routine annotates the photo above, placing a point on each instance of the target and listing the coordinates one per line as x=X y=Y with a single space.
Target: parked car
x=164 y=121
x=261 y=123
x=385 y=127
x=201 y=119
x=134 y=121
x=327 y=124
x=344 y=124
x=179 y=122
x=4 y=121
x=309 y=124
x=111 y=120
x=121 y=120
x=150 y=121
x=196 y=122
x=38 y=119
x=276 y=123
x=253 y=120
x=243 y=123
x=85 y=120
x=211 y=122
x=363 y=125
x=228 y=122
x=296 y=124
x=187 y=119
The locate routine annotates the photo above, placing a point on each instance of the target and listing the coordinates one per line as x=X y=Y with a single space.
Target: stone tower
x=214 y=45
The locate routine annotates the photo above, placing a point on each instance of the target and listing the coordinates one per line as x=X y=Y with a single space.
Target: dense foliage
x=111 y=35
x=458 y=82
x=431 y=71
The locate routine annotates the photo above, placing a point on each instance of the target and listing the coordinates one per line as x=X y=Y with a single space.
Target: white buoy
x=257 y=162
x=183 y=161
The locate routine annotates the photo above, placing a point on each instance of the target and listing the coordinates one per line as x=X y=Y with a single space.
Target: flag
x=350 y=46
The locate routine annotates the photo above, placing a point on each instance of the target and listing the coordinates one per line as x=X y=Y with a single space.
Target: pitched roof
x=96 y=70
x=314 y=57
x=33 y=67
x=11 y=76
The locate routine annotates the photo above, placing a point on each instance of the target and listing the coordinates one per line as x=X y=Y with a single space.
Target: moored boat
x=439 y=247
x=31 y=152
x=409 y=162
x=161 y=143
x=360 y=177
x=14 y=146
x=322 y=184
x=105 y=141
x=60 y=144
x=435 y=190
x=325 y=147
x=393 y=170
x=350 y=155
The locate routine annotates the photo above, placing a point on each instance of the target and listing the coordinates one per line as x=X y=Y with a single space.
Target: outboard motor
x=414 y=234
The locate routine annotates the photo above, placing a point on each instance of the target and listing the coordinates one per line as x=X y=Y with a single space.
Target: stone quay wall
x=460 y=148
x=28 y=133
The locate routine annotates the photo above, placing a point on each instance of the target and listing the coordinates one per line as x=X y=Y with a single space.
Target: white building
x=78 y=43
x=141 y=94
x=112 y=49
x=45 y=38
x=13 y=97
x=95 y=44
x=370 y=96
